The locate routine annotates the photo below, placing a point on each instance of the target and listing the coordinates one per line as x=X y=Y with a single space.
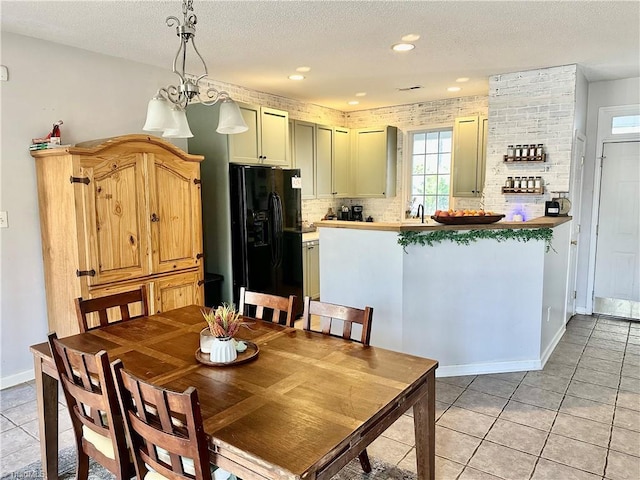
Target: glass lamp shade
x=230 y=120
x=158 y=115
x=181 y=129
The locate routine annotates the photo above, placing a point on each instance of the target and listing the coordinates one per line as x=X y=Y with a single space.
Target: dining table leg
x=47 y=400
x=424 y=422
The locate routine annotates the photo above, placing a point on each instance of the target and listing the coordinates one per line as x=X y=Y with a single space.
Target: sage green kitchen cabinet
x=267 y=140
x=374 y=161
x=324 y=161
x=304 y=156
x=341 y=166
x=333 y=171
x=469 y=156
x=311 y=268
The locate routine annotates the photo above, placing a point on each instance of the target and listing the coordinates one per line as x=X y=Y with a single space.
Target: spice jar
x=518 y=155
x=525 y=152
x=509 y=183
x=516 y=184
x=539 y=152
x=538 y=184
x=511 y=153
x=530 y=185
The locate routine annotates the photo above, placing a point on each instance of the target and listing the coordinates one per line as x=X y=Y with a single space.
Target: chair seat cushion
x=103 y=444
x=187 y=465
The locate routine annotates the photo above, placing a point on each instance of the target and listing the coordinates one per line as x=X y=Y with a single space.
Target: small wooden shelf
x=520 y=191
x=527 y=159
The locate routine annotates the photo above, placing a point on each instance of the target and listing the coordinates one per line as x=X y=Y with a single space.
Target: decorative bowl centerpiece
x=217 y=338
x=466 y=217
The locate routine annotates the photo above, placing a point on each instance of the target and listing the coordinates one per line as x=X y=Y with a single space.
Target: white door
x=575 y=196
x=617 y=272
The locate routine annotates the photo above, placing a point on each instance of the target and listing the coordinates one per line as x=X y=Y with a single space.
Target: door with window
x=617 y=283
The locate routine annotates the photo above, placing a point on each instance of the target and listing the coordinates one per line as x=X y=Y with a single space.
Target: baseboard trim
x=481 y=368
x=17 y=379
x=552 y=346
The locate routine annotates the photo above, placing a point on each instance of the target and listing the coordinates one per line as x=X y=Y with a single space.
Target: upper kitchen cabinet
x=116 y=214
x=469 y=154
x=374 y=161
x=333 y=172
x=267 y=140
x=304 y=155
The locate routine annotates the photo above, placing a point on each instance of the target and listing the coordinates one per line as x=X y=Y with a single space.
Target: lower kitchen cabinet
x=311 y=268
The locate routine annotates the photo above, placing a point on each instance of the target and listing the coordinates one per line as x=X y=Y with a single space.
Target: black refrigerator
x=266 y=231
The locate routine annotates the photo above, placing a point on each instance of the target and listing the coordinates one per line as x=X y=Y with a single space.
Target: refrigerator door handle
x=279 y=230
x=275 y=228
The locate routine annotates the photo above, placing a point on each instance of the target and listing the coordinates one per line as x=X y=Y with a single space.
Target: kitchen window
x=430 y=170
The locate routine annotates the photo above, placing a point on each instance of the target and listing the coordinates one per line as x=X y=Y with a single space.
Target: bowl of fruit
x=466 y=217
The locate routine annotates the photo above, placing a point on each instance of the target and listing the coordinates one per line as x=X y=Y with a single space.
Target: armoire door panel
x=116 y=229
x=177 y=291
x=174 y=214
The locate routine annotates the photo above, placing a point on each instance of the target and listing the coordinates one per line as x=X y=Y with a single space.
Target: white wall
x=96 y=96
x=601 y=94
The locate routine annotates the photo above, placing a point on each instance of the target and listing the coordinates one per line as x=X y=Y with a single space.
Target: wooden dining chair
x=102 y=305
x=254 y=304
x=90 y=393
x=328 y=312
x=164 y=429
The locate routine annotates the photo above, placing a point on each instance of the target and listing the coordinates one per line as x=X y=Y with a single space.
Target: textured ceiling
x=257 y=44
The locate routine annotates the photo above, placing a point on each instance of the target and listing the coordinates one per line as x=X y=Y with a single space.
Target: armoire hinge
x=200 y=283
x=199 y=256
x=86 y=273
x=84 y=180
x=197 y=181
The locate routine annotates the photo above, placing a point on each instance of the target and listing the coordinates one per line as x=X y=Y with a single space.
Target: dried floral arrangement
x=224 y=321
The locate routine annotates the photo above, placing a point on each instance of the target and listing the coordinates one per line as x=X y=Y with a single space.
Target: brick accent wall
x=536 y=106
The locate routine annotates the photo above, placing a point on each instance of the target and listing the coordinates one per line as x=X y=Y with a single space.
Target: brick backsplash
x=535 y=106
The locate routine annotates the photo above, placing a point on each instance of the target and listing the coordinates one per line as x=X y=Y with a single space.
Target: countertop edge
x=539 y=222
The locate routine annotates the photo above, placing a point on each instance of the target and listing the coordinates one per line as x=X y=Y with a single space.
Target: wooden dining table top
x=288 y=413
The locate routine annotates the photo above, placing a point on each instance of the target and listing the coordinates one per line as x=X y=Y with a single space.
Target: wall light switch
x=4 y=73
x=4 y=220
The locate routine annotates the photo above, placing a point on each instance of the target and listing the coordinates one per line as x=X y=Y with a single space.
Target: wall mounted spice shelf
x=528 y=159
x=520 y=191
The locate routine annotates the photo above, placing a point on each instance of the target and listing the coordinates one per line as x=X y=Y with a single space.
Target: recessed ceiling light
x=361 y=94
x=411 y=37
x=403 y=47
x=454 y=89
x=353 y=102
x=462 y=79
x=303 y=69
x=296 y=77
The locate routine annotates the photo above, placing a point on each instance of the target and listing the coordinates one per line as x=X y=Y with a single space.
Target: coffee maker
x=356 y=213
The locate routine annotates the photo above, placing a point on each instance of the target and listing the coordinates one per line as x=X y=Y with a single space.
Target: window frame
x=408 y=161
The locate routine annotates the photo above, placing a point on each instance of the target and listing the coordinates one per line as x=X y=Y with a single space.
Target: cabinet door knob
x=155 y=218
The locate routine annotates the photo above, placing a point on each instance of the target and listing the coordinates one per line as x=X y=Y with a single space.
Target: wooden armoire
x=115 y=214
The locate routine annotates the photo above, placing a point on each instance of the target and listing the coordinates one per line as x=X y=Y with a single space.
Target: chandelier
x=166 y=110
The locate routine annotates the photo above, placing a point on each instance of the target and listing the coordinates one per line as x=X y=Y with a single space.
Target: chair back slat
x=256 y=304
x=328 y=312
x=120 y=302
x=164 y=427
x=89 y=390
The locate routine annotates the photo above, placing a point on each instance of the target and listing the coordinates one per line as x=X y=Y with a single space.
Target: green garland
x=465 y=238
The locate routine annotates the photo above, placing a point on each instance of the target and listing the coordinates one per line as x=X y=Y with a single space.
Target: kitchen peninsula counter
x=483 y=307
x=539 y=222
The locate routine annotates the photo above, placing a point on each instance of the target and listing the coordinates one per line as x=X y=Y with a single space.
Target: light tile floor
x=577 y=419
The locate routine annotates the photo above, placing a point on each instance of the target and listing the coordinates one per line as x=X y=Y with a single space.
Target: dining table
x=304 y=406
